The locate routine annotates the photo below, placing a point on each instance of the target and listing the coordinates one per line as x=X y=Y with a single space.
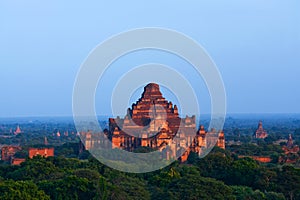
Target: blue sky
x=255 y=44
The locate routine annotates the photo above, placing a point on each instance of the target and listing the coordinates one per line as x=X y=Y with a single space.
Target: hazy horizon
x=228 y=115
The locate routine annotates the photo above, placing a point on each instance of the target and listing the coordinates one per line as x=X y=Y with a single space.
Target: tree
x=288 y=182
x=99 y=182
x=197 y=187
x=130 y=187
x=34 y=169
x=69 y=188
x=22 y=190
x=245 y=193
x=215 y=165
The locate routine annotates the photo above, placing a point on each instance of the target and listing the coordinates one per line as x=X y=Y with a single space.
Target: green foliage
x=35 y=169
x=247 y=172
x=288 y=182
x=143 y=150
x=245 y=193
x=68 y=188
x=243 y=172
x=188 y=185
x=23 y=190
x=274 y=196
x=217 y=176
x=250 y=149
x=214 y=165
x=130 y=187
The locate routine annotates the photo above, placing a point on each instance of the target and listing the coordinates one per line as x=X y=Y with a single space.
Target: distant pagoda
x=291 y=152
x=290 y=147
x=290 y=142
x=260 y=132
x=18 y=130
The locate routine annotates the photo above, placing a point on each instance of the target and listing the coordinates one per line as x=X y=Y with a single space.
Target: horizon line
x=109 y=115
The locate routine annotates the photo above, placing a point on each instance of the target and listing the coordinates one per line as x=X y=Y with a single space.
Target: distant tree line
x=220 y=175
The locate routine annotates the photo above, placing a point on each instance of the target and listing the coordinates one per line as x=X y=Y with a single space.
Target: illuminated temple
x=155 y=123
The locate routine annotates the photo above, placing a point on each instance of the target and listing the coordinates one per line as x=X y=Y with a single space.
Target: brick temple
x=18 y=130
x=290 y=147
x=8 y=152
x=44 y=152
x=260 y=132
x=154 y=122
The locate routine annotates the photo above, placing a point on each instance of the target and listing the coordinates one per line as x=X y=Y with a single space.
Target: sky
x=254 y=43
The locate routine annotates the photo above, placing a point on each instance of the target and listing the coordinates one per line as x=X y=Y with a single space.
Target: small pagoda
x=260 y=133
x=18 y=130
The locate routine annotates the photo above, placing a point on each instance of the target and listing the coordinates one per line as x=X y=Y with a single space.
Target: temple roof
x=151 y=112
x=152 y=91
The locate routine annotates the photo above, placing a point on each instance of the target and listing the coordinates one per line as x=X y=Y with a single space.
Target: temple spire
x=260 y=132
x=45 y=140
x=18 y=130
x=290 y=142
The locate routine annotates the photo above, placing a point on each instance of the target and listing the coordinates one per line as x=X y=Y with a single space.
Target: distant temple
x=8 y=152
x=290 y=142
x=290 y=152
x=17 y=161
x=46 y=141
x=8 y=155
x=18 y=130
x=58 y=134
x=262 y=159
x=290 y=148
x=44 y=152
x=155 y=123
x=260 y=132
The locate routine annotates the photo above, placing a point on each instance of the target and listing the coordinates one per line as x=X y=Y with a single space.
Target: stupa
x=260 y=132
x=18 y=130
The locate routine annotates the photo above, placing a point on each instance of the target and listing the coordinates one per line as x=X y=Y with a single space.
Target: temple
x=154 y=122
x=8 y=152
x=44 y=152
x=290 y=142
x=290 y=147
x=260 y=132
x=18 y=130
x=291 y=152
